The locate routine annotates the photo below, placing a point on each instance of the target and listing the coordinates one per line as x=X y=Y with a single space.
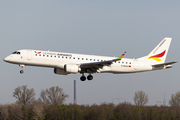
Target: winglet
x=120 y=56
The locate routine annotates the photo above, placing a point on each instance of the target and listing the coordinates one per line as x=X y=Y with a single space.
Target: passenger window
x=35 y=54
x=74 y=58
x=47 y=55
x=66 y=57
x=39 y=54
x=94 y=60
x=58 y=56
x=82 y=58
x=90 y=59
x=43 y=55
x=86 y=59
x=78 y=58
x=18 y=53
x=54 y=56
x=69 y=57
x=62 y=57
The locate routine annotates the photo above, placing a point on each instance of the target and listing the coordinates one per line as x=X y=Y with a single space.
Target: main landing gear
x=83 y=78
x=22 y=67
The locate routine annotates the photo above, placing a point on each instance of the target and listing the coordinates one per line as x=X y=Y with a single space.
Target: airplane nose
x=6 y=59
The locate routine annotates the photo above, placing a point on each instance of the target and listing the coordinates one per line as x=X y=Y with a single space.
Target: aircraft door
x=29 y=54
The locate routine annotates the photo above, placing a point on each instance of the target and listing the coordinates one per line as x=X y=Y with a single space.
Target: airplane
x=70 y=63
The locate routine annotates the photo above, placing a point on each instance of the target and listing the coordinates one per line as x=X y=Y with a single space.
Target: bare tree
x=140 y=98
x=4 y=112
x=38 y=109
x=15 y=112
x=24 y=95
x=175 y=99
x=53 y=96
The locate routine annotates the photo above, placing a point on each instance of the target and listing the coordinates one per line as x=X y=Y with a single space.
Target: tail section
x=158 y=55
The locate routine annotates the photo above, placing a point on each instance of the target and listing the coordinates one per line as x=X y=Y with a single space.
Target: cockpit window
x=16 y=52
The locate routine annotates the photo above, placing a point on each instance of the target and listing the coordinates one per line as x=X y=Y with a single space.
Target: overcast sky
x=103 y=27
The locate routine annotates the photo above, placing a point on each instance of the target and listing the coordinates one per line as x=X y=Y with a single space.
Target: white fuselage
x=59 y=59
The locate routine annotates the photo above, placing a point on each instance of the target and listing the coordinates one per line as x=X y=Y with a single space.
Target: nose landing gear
x=21 y=71
x=22 y=67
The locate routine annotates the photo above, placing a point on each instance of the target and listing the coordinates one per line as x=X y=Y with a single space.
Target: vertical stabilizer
x=158 y=55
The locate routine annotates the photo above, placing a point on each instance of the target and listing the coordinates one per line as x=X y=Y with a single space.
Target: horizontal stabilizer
x=163 y=65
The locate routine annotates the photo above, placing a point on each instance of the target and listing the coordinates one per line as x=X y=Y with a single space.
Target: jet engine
x=71 y=68
x=59 y=71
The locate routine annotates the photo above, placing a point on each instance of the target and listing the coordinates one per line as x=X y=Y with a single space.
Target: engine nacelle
x=59 y=71
x=71 y=68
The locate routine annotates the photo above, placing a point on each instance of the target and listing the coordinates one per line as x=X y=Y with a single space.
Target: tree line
x=105 y=111
x=50 y=106
x=56 y=96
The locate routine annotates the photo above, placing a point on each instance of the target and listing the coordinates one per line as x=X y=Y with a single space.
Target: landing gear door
x=29 y=54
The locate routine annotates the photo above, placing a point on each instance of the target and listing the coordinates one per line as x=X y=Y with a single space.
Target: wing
x=95 y=66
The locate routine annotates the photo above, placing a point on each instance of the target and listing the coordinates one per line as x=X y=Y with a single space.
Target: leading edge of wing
x=101 y=63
